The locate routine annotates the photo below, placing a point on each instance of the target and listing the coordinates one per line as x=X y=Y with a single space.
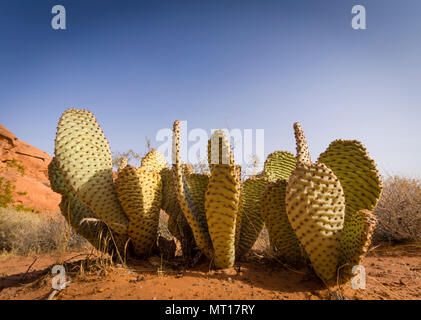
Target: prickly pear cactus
x=315 y=205
x=284 y=242
x=140 y=191
x=177 y=223
x=77 y=213
x=221 y=202
x=251 y=219
x=362 y=185
x=154 y=161
x=199 y=228
x=316 y=209
x=328 y=205
x=279 y=165
x=83 y=156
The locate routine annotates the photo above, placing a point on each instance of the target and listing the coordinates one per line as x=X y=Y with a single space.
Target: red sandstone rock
x=35 y=181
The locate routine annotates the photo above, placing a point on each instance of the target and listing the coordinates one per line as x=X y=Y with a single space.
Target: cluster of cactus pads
x=316 y=213
x=321 y=214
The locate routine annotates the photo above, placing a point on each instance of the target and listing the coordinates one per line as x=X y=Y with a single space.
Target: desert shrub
x=399 y=211
x=131 y=156
x=6 y=192
x=29 y=232
x=15 y=164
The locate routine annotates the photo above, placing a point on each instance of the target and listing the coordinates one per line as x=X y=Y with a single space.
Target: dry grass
x=25 y=233
x=399 y=211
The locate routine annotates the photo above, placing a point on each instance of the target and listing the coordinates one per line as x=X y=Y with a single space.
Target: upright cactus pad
x=154 y=160
x=123 y=163
x=284 y=242
x=279 y=165
x=177 y=223
x=76 y=212
x=251 y=220
x=221 y=202
x=201 y=235
x=84 y=158
x=303 y=155
x=139 y=191
x=362 y=186
x=170 y=202
x=315 y=205
x=198 y=184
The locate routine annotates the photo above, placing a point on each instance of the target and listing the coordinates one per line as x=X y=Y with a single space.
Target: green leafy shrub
x=15 y=164
x=6 y=192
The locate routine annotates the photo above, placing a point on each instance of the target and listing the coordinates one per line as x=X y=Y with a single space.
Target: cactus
x=84 y=158
x=362 y=185
x=177 y=223
x=193 y=217
x=82 y=173
x=221 y=201
x=327 y=208
x=314 y=212
x=279 y=165
x=251 y=219
x=139 y=192
x=77 y=213
x=283 y=240
x=210 y=202
x=154 y=161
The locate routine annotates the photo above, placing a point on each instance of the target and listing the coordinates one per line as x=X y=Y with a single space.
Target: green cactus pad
x=221 y=203
x=85 y=222
x=173 y=227
x=170 y=202
x=201 y=235
x=279 y=165
x=251 y=220
x=362 y=187
x=77 y=213
x=303 y=155
x=284 y=243
x=315 y=205
x=57 y=182
x=140 y=192
x=154 y=160
x=360 y=226
x=84 y=158
x=171 y=206
x=198 y=184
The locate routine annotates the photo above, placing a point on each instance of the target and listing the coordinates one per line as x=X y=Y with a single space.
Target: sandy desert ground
x=392 y=273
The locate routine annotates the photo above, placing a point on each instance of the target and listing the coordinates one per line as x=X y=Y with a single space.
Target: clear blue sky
x=139 y=65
